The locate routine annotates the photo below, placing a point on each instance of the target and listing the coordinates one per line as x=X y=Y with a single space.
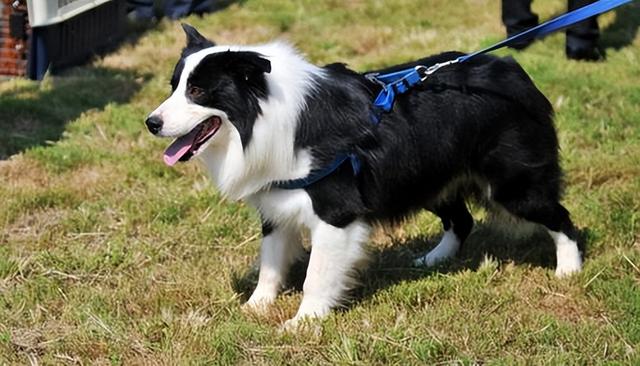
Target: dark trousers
x=517 y=16
x=180 y=8
x=173 y=9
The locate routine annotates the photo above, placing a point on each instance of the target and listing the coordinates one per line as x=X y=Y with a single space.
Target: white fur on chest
x=290 y=208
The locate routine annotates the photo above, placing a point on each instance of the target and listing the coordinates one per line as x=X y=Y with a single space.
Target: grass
x=109 y=257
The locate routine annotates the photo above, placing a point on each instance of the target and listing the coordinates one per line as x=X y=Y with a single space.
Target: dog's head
x=215 y=91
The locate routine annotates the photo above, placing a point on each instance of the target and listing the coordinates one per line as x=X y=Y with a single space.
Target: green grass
x=109 y=257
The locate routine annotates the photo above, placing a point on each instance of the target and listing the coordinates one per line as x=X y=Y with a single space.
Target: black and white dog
x=257 y=115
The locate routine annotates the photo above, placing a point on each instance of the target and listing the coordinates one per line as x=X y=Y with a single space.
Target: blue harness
x=400 y=82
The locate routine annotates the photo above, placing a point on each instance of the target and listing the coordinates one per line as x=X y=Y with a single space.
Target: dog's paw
x=432 y=258
x=566 y=270
x=290 y=326
x=427 y=260
x=569 y=261
x=257 y=309
x=447 y=248
x=301 y=325
x=258 y=304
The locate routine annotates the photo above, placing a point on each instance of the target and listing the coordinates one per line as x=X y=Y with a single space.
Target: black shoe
x=585 y=54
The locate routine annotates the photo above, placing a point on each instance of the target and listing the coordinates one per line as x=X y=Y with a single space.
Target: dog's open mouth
x=184 y=147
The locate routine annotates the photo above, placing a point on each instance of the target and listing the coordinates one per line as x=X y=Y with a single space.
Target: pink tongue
x=180 y=147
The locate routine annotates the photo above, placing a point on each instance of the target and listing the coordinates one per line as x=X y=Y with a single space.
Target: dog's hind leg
x=281 y=247
x=336 y=254
x=568 y=256
x=457 y=223
x=525 y=177
x=555 y=218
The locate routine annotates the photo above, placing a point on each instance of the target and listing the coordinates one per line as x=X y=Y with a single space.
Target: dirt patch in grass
x=30 y=227
x=20 y=172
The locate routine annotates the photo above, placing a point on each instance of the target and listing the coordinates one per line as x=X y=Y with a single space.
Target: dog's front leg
x=336 y=253
x=280 y=248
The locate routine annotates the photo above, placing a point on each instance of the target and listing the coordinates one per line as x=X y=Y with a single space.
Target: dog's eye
x=194 y=91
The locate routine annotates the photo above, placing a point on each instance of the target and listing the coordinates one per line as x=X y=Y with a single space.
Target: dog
x=259 y=115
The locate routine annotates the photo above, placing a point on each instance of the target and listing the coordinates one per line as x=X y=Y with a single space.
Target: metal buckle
x=373 y=78
x=424 y=71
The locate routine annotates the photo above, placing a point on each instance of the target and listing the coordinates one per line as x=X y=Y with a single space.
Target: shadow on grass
x=393 y=264
x=624 y=29
x=36 y=113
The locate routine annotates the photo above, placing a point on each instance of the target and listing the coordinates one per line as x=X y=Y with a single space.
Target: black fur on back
x=482 y=120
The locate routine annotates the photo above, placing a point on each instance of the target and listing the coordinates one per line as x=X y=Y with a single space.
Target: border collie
x=258 y=115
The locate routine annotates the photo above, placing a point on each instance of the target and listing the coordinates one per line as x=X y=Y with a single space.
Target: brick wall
x=13 y=52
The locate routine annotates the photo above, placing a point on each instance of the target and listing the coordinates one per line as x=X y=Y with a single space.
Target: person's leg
x=582 y=38
x=141 y=9
x=175 y=9
x=201 y=6
x=517 y=17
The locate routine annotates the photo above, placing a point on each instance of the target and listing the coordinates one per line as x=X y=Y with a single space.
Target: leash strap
x=563 y=21
x=399 y=82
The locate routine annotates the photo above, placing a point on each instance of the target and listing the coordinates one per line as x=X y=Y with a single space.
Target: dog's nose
x=154 y=124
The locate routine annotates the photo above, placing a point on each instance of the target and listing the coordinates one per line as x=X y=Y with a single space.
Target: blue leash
x=402 y=81
x=563 y=21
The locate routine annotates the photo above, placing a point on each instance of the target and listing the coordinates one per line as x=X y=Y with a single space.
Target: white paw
x=428 y=260
x=567 y=255
x=258 y=303
x=291 y=326
x=307 y=324
x=447 y=248
x=568 y=268
x=309 y=312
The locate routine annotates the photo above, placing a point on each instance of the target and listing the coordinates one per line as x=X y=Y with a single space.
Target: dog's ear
x=248 y=63
x=245 y=65
x=195 y=40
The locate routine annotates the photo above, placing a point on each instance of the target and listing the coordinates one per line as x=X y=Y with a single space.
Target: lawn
x=107 y=256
